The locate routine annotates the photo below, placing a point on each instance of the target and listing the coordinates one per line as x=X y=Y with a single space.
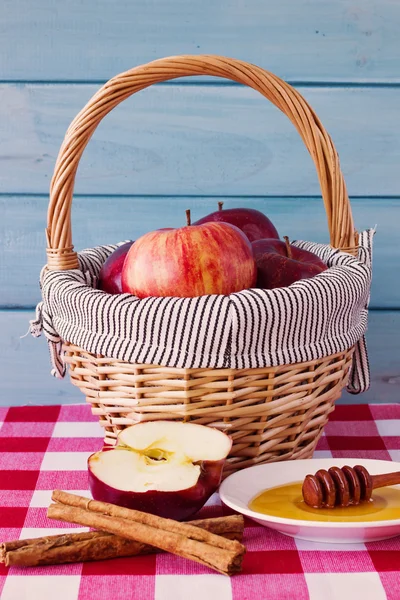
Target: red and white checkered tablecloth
x=43 y=448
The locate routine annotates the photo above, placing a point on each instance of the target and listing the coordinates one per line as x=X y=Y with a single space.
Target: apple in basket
x=254 y=224
x=109 y=279
x=166 y=468
x=195 y=260
x=279 y=264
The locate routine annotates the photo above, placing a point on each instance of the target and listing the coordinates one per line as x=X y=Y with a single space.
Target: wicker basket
x=272 y=413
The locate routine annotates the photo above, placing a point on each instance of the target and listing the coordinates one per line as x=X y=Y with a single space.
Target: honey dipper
x=343 y=486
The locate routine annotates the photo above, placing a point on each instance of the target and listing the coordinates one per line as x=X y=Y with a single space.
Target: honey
x=286 y=501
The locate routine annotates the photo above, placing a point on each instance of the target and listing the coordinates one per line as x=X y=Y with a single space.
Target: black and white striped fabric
x=254 y=328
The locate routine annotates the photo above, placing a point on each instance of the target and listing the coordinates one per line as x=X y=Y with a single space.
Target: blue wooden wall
x=190 y=143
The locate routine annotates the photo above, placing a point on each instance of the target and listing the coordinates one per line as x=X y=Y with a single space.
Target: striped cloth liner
x=311 y=319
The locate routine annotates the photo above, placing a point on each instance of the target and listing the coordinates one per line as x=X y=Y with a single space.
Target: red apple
x=252 y=222
x=166 y=468
x=280 y=264
x=214 y=258
x=109 y=279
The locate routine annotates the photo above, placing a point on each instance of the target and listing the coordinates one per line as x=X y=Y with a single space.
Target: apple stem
x=188 y=219
x=220 y=205
x=288 y=248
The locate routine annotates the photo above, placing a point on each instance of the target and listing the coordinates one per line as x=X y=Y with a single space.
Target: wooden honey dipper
x=343 y=486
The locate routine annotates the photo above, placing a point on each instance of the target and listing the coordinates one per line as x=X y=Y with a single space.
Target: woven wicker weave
x=273 y=413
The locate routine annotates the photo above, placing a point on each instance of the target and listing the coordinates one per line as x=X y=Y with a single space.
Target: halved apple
x=166 y=468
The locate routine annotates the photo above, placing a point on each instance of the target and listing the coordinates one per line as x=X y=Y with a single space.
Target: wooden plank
x=26 y=375
x=306 y=40
x=112 y=219
x=204 y=140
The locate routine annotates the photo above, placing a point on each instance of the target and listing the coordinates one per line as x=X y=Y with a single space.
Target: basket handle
x=60 y=251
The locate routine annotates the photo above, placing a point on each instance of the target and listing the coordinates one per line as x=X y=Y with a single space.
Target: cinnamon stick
x=182 y=539
x=97 y=545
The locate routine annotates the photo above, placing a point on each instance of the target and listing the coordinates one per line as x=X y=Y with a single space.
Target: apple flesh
x=279 y=264
x=254 y=224
x=110 y=276
x=214 y=258
x=166 y=468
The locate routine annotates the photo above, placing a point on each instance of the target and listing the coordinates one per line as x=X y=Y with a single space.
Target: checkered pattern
x=42 y=448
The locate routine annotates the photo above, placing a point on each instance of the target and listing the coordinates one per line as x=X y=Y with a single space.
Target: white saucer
x=239 y=488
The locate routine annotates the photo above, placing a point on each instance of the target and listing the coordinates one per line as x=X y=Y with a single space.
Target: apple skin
x=178 y=505
x=110 y=275
x=195 y=260
x=254 y=224
x=276 y=269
